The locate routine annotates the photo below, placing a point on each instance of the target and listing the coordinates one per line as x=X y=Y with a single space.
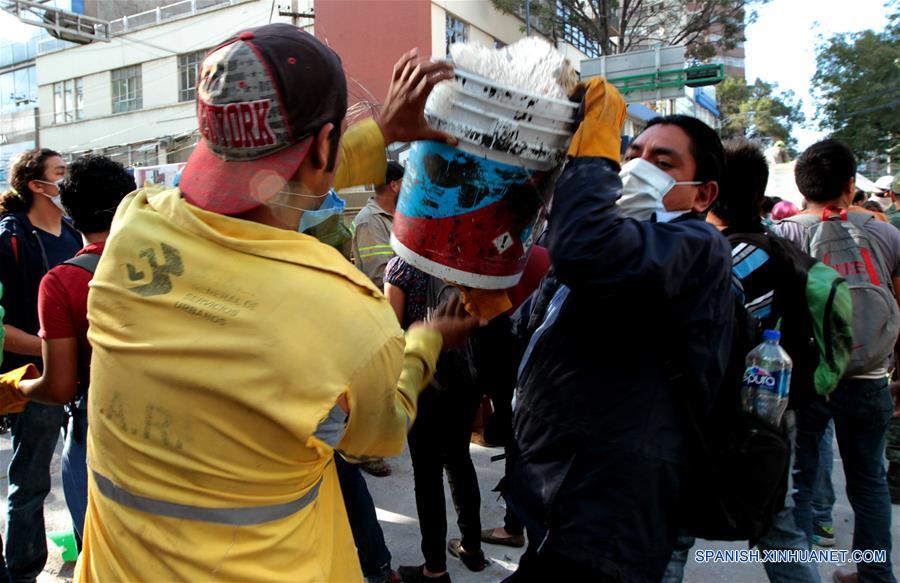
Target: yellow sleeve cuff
x=424 y=344
x=11 y=398
x=363 y=159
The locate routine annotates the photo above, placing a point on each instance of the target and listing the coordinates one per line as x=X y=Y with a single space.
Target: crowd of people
x=241 y=353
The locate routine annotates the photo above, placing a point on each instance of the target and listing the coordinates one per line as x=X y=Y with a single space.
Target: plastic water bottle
x=767 y=379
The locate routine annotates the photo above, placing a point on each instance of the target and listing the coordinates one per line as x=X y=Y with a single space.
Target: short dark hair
x=871 y=205
x=823 y=169
x=743 y=186
x=334 y=141
x=25 y=167
x=393 y=172
x=92 y=190
x=706 y=147
x=860 y=197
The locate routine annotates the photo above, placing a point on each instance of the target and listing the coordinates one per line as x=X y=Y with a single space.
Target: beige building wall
x=155 y=49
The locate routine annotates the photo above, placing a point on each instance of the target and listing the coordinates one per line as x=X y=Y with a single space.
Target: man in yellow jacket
x=233 y=354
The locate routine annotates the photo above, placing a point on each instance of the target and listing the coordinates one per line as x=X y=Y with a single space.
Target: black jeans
x=511 y=523
x=439 y=439
x=374 y=557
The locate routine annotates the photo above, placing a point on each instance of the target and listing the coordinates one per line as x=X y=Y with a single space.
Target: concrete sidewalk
x=394 y=498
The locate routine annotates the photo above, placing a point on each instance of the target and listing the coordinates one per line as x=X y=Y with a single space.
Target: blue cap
x=771 y=335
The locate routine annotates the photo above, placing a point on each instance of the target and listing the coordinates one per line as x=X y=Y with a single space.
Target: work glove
x=11 y=398
x=485 y=303
x=600 y=131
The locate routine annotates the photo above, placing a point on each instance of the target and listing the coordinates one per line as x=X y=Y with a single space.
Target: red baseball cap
x=261 y=97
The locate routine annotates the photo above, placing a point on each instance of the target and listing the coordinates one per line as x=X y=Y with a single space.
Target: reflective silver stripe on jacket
x=331 y=429
x=246 y=516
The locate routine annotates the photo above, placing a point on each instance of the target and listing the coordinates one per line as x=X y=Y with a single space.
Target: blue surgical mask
x=327 y=224
x=332 y=205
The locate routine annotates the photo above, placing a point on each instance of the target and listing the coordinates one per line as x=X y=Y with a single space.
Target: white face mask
x=55 y=199
x=643 y=188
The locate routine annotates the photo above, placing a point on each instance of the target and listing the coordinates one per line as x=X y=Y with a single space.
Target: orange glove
x=600 y=132
x=11 y=398
x=485 y=303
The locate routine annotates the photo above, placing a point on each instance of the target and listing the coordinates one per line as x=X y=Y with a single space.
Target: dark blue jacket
x=600 y=449
x=23 y=263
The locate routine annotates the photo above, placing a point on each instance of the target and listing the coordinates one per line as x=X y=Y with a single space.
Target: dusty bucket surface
x=505 y=124
x=467 y=214
x=464 y=218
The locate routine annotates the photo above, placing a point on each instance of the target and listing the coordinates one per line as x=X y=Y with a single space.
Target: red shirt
x=62 y=306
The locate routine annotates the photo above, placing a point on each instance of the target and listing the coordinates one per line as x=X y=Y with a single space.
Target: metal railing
x=133 y=22
x=163 y=14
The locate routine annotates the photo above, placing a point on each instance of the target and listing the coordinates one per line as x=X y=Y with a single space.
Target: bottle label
x=776 y=382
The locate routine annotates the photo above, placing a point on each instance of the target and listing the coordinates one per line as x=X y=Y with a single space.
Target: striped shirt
x=372 y=241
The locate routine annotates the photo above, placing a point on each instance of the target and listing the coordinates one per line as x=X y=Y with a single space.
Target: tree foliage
x=757 y=110
x=618 y=26
x=857 y=83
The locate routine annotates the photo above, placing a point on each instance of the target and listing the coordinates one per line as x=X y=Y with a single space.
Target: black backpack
x=87 y=262
x=739 y=464
x=814 y=309
x=739 y=468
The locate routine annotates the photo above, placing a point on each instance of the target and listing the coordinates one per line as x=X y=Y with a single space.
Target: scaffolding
x=62 y=24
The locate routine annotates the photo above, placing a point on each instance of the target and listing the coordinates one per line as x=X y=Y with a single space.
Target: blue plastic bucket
x=468 y=214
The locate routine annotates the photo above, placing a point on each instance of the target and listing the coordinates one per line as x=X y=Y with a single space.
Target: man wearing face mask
x=34 y=238
x=233 y=355
x=644 y=298
x=327 y=223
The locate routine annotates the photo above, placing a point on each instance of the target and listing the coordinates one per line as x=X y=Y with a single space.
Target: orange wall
x=370 y=35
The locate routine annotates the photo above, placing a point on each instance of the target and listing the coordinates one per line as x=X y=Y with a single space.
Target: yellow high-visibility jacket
x=220 y=349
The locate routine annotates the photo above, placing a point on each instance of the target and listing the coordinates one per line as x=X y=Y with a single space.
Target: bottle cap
x=771 y=335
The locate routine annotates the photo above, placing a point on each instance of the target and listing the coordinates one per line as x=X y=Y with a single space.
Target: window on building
x=68 y=100
x=59 y=105
x=18 y=89
x=573 y=35
x=79 y=98
x=126 y=89
x=457 y=31
x=188 y=69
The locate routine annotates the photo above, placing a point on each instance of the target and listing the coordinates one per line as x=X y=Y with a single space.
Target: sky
x=781 y=45
x=13 y=29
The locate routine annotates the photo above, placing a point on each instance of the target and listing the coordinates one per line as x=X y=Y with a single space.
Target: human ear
x=321 y=146
x=706 y=195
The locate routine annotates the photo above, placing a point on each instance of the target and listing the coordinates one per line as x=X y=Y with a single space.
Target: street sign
x=639 y=69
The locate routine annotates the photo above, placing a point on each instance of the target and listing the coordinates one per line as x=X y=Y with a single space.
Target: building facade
x=370 y=35
x=19 y=109
x=133 y=98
